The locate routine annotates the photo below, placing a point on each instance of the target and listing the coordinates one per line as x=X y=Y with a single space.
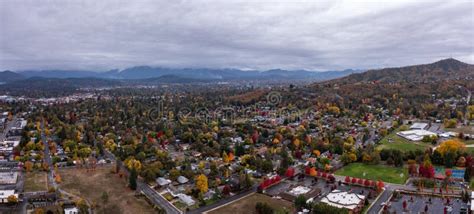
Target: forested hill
x=447 y=69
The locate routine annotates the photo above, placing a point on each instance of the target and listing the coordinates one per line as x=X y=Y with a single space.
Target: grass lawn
x=468 y=142
x=401 y=143
x=247 y=205
x=91 y=185
x=470 y=150
x=36 y=181
x=374 y=172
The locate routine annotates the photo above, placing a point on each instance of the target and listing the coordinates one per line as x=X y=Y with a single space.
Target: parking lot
x=324 y=186
x=416 y=204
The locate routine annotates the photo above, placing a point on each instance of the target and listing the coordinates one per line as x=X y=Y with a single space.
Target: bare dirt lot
x=36 y=181
x=247 y=205
x=91 y=185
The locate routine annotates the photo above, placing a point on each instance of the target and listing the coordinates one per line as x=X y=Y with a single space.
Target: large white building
x=8 y=178
x=415 y=134
x=340 y=199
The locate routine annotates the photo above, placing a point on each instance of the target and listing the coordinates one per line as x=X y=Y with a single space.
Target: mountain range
x=446 y=69
x=178 y=75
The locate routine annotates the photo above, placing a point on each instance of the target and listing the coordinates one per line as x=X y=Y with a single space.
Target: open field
x=91 y=185
x=247 y=205
x=36 y=181
x=401 y=143
x=374 y=172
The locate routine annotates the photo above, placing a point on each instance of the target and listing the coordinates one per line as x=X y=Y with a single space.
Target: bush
x=322 y=208
x=263 y=208
x=426 y=183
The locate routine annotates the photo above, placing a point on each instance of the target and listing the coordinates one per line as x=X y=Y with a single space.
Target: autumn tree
x=225 y=158
x=12 y=199
x=201 y=183
x=450 y=146
x=28 y=166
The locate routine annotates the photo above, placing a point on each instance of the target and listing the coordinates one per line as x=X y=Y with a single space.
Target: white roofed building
x=415 y=134
x=419 y=126
x=340 y=199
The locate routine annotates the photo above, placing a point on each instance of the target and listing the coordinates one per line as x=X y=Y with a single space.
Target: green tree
x=105 y=197
x=300 y=202
x=264 y=208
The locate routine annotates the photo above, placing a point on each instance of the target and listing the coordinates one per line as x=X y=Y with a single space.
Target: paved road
x=150 y=193
x=157 y=199
x=48 y=160
x=377 y=205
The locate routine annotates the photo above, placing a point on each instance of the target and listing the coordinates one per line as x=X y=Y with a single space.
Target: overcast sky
x=314 y=35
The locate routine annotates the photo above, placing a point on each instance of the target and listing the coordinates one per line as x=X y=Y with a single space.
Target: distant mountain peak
x=448 y=63
x=8 y=76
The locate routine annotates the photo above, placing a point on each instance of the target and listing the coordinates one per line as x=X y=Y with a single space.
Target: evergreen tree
x=132 y=179
x=467 y=174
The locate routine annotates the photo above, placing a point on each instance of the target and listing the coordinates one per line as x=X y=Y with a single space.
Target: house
x=162 y=181
x=209 y=194
x=182 y=180
x=346 y=200
x=188 y=200
x=8 y=177
x=71 y=210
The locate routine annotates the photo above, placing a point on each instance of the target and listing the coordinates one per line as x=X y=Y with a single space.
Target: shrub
x=263 y=208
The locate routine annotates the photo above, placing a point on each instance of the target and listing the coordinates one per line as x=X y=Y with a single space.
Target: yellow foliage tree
x=132 y=163
x=12 y=199
x=225 y=158
x=201 y=183
x=452 y=145
x=350 y=140
x=296 y=142
x=353 y=157
x=334 y=109
x=316 y=152
x=276 y=141
x=201 y=165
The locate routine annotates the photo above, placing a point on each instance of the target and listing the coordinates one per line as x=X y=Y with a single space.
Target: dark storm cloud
x=316 y=35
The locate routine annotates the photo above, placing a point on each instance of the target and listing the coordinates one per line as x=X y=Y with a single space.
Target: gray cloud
x=316 y=35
